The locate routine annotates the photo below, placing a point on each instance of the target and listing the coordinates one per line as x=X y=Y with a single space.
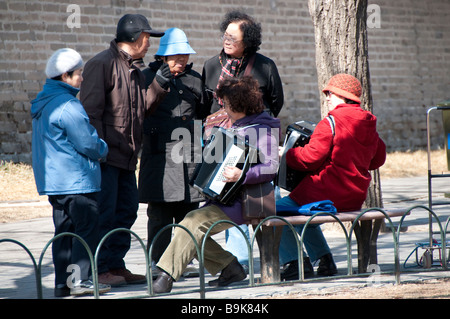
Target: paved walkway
x=17 y=279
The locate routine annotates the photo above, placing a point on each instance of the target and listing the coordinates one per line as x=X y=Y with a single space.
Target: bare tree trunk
x=342 y=47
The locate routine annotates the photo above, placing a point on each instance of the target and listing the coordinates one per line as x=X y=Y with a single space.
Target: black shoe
x=327 y=267
x=62 y=290
x=232 y=273
x=290 y=271
x=163 y=283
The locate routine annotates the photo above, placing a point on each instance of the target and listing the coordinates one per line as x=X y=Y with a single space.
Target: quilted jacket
x=339 y=164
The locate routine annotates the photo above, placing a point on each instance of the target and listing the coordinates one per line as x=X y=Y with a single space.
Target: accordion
x=297 y=134
x=225 y=148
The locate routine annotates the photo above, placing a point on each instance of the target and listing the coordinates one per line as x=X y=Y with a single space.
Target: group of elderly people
x=85 y=152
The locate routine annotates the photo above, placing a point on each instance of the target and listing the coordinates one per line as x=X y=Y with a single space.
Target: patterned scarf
x=230 y=69
x=220 y=118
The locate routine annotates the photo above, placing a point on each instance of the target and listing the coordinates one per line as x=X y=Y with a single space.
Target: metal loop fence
x=250 y=243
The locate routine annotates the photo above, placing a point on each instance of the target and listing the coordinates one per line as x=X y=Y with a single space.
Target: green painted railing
x=250 y=246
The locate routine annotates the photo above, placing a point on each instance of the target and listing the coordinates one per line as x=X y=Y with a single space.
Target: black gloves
x=163 y=76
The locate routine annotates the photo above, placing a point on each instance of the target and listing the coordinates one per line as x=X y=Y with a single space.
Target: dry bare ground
x=428 y=289
x=17 y=185
x=17 y=182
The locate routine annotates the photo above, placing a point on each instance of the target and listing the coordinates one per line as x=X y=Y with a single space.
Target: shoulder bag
x=258 y=201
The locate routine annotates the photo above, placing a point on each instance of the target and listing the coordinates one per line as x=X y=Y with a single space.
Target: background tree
x=340 y=28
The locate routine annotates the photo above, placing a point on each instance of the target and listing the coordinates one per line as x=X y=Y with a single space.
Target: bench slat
x=343 y=217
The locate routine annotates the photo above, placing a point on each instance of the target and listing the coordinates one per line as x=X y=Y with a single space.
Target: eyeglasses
x=229 y=39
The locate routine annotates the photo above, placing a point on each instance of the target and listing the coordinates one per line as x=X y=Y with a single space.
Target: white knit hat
x=62 y=61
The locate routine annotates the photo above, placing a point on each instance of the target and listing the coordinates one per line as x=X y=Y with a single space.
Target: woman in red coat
x=338 y=158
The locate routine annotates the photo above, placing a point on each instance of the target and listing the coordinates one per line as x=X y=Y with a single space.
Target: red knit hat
x=346 y=86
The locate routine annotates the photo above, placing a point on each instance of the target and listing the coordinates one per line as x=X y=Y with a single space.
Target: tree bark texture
x=342 y=47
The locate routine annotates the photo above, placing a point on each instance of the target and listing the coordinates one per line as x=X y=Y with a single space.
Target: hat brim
x=342 y=93
x=154 y=33
x=174 y=49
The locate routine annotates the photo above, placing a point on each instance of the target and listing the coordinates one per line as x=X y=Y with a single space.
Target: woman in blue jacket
x=66 y=151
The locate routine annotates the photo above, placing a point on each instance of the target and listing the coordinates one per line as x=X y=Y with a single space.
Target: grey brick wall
x=409 y=56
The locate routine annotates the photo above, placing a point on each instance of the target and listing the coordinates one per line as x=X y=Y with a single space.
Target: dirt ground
x=428 y=289
x=17 y=182
x=17 y=185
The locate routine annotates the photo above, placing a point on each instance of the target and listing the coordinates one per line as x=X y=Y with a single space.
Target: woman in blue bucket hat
x=174 y=42
x=163 y=178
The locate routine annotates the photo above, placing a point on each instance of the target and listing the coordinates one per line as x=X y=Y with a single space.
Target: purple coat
x=267 y=135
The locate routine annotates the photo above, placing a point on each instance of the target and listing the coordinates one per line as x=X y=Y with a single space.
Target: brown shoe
x=130 y=278
x=108 y=278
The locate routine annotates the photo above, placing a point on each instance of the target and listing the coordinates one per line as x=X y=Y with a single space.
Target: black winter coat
x=162 y=177
x=264 y=71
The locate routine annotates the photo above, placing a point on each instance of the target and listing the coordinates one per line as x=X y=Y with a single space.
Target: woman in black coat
x=167 y=162
x=241 y=40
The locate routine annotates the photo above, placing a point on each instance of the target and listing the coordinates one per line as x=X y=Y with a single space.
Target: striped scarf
x=220 y=118
x=230 y=69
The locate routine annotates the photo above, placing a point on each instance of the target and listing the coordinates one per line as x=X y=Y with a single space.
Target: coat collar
x=122 y=54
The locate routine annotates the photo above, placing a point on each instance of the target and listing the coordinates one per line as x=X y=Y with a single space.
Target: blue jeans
x=314 y=241
x=235 y=243
x=118 y=204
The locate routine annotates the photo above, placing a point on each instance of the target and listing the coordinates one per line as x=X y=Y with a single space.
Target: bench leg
x=373 y=258
x=366 y=233
x=268 y=239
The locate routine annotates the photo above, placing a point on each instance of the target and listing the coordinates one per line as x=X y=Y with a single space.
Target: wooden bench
x=366 y=232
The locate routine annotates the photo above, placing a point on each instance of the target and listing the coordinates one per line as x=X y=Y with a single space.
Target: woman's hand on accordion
x=231 y=174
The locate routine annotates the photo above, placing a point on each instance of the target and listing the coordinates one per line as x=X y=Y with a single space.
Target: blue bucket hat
x=174 y=42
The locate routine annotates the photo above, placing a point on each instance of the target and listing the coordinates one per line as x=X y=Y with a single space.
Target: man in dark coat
x=116 y=100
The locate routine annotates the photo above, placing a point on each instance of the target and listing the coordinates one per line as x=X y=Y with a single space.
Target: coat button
x=183 y=118
x=180 y=91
